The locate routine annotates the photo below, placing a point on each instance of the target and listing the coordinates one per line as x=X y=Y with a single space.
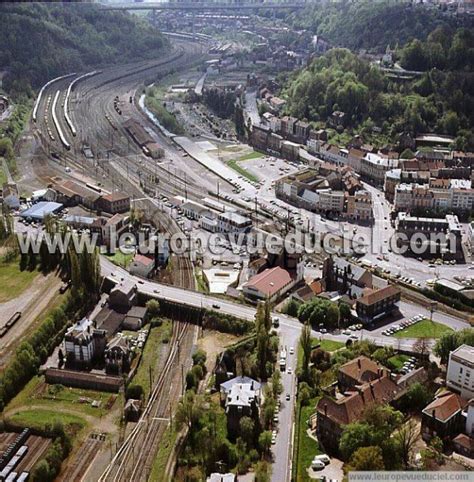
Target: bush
x=134 y=392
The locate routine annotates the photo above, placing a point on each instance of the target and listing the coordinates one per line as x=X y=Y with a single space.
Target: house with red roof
x=142 y=266
x=269 y=284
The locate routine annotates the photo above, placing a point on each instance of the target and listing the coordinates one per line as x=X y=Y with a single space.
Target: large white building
x=460 y=375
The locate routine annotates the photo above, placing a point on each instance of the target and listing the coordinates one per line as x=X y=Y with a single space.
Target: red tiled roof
x=270 y=281
x=465 y=441
x=351 y=408
x=140 y=258
x=362 y=369
x=116 y=196
x=445 y=406
x=378 y=295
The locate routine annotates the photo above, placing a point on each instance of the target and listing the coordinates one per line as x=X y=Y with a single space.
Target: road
x=289 y=332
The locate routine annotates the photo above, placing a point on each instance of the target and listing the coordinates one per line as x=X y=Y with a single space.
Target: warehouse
x=40 y=210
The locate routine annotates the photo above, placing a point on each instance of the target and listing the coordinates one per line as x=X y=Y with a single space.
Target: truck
x=283 y=360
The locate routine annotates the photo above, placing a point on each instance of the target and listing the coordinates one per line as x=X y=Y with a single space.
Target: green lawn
x=120 y=259
x=38 y=419
x=149 y=359
x=14 y=282
x=250 y=155
x=242 y=171
x=423 y=329
x=58 y=399
x=305 y=446
x=396 y=362
x=329 y=345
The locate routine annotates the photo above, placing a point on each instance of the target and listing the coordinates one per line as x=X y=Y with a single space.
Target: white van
x=317 y=464
x=323 y=458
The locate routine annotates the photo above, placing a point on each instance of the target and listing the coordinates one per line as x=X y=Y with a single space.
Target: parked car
x=317 y=464
x=324 y=458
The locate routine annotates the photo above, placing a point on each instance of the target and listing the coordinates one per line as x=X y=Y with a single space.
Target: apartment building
x=460 y=373
x=373 y=167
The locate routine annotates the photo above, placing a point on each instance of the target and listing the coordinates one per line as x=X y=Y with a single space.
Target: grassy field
x=423 y=329
x=40 y=418
x=329 y=345
x=305 y=446
x=120 y=259
x=14 y=282
x=60 y=399
x=242 y=171
x=149 y=359
x=396 y=362
x=251 y=155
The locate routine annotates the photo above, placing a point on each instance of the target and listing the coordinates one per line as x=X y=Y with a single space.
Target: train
x=64 y=142
x=13 y=319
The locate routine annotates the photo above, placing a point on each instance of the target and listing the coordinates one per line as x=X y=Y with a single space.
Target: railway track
x=134 y=459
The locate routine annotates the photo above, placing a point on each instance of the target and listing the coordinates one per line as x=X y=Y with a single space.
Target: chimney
x=326 y=409
x=433 y=414
x=359 y=364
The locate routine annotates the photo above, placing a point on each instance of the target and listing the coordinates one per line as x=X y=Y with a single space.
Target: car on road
x=347 y=333
x=323 y=330
x=292 y=350
x=156 y=291
x=289 y=371
x=216 y=306
x=288 y=397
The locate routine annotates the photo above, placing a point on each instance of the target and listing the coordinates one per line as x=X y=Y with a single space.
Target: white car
x=289 y=371
x=323 y=457
x=292 y=350
x=317 y=464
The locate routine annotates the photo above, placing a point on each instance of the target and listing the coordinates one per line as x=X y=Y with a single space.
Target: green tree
x=265 y=442
x=306 y=345
x=406 y=438
x=247 y=427
x=153 y=307
x=367 y=458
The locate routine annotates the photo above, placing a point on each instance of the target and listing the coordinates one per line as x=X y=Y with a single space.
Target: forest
x=372 y=26
x=440 y=98
x=40 y=41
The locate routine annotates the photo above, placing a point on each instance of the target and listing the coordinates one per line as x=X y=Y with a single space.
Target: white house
x=460 y=375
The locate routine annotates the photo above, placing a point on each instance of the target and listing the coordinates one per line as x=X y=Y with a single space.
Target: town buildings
x=377 y=304
x=460 y=373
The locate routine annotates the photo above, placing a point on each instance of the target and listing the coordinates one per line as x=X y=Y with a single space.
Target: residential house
x=443 y=417
x=135 y=318
x=142 y=266
x=118 y=356
x=334 y=414
x=241 y=397
x=356 y=372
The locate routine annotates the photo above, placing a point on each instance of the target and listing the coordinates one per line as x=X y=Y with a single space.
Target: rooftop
x=465 y=352
x=445 y=406
x=270 y=281
x=362 y=369
x=379 y=295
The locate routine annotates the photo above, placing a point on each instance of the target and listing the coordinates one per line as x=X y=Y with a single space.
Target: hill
x=40 y=41
x=372 y=25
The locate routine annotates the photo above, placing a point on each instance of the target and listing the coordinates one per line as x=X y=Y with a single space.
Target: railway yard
x=98 y=154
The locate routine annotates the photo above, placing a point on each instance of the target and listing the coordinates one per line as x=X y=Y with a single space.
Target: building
x=359 y=207
x=334 y=414
x=216 y=477
x=460 y=373
x=133 y=410
x=70 y=193
x=135 y=318
x=241 y=398
x=142 y=266
x=83 y=344
x=118 y=356
x=443 y=417
x=10 y=195
x=113 y=228
x=268 y=285
x=464 y=445
x=377 y=304
x=373 y=167
x=340 y=275
x=356 y=372
x=123 y=295
x=442 y=236
x=116 y=202
x=39 y=211
x=231 y=222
